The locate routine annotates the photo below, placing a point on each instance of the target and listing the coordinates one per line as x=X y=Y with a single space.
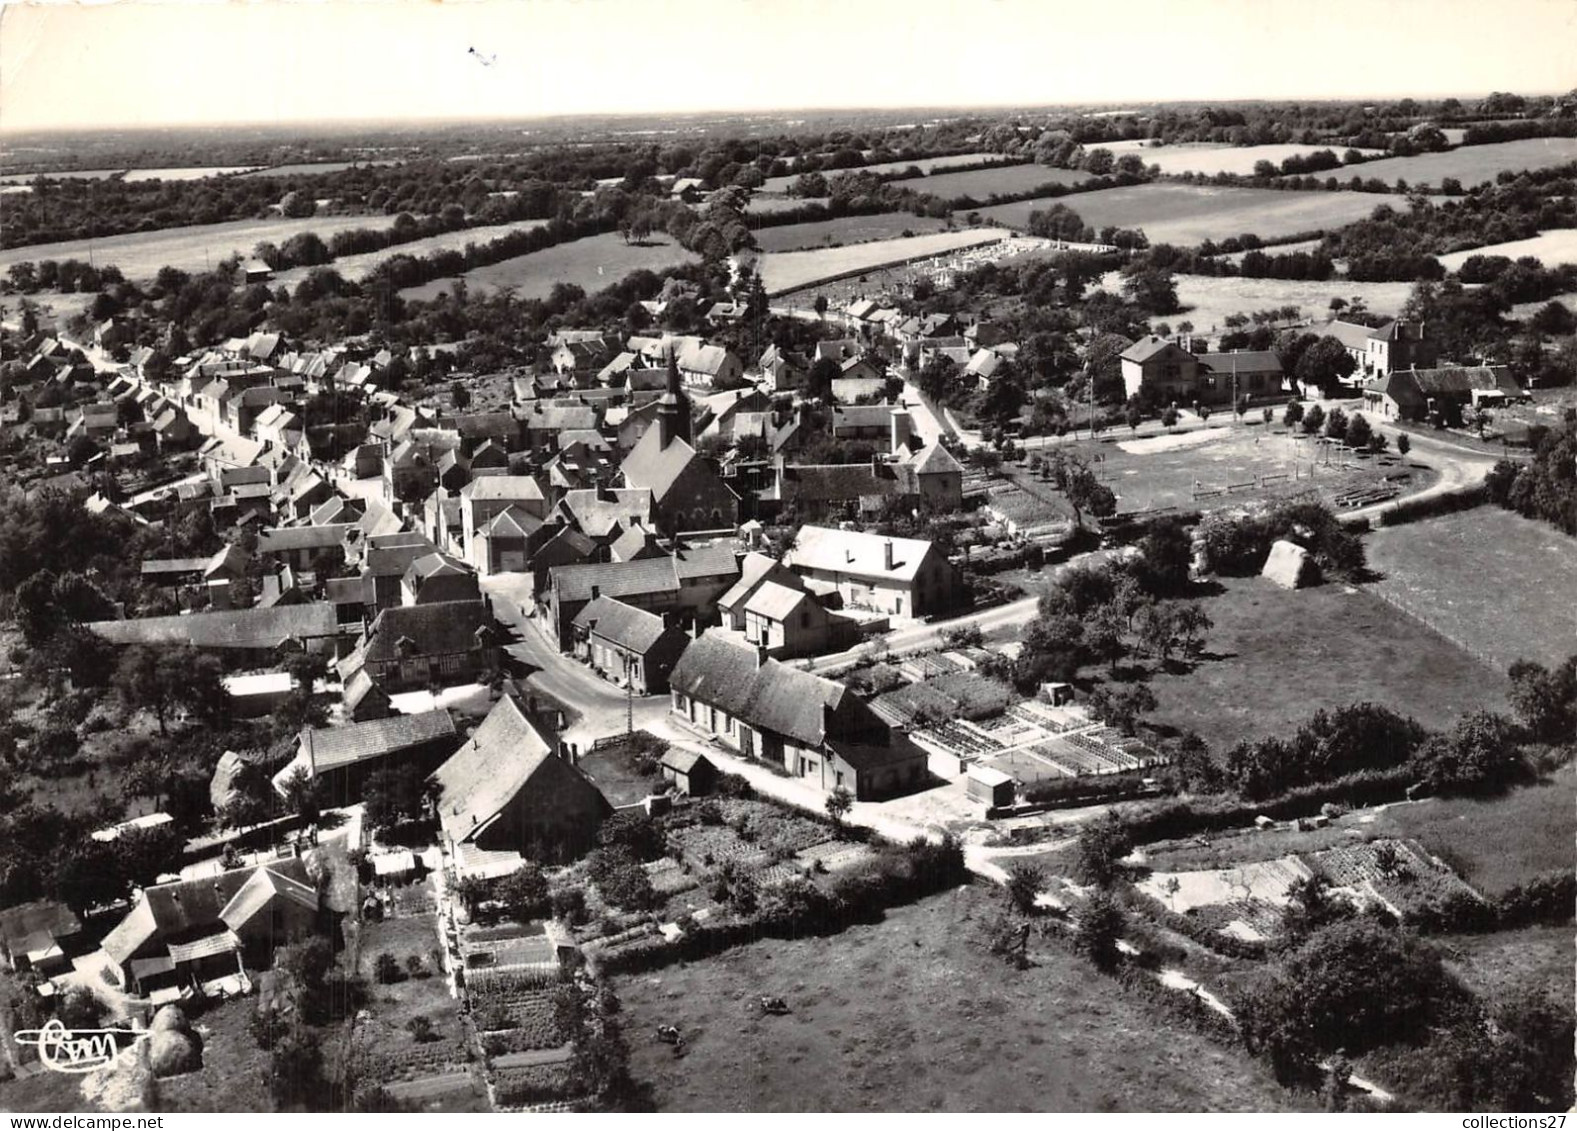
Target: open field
x=1208 y=300
x=592 y=263
x=1274 y=249
x=1508 y=962
x=760 y=205
x=912 y=1014
x=791 y=270
x=846 y=230
x=887 y=168
x=358 y=267
x=1004 y=180
x=1473 y=164
x=1211 y=159
x=1550 y=248
x=1189 y=214
x=183 y=174
x=1499 y=841
x=1159 y=473
x=1500 y=585
x=314 y=167
x=1278 y=655
x=139 y=255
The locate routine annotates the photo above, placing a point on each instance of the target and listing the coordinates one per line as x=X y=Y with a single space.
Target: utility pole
x=629 y=698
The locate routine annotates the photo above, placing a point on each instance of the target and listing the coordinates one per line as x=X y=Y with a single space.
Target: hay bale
x=1290 y=566
x=174 y=1053
x=170 y=1018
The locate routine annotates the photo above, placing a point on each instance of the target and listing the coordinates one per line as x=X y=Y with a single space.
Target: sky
x=123 y=62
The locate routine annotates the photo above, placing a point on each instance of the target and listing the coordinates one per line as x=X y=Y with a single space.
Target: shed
x=394 y=866
x=993 y=787
x=691 y=772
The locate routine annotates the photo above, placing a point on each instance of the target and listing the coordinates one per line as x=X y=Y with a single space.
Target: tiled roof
x=281 y=539
x=443 y=626
x=855 y=554
x=625 y=625
x=646 y=575
x=330 y=748
x=775 y=601
x=234 y=628
x=497 y=488
x=1245 y=361
x=771 y=696
x=1143 y=350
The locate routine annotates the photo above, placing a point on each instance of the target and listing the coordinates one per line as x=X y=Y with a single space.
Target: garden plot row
x=1395 y=872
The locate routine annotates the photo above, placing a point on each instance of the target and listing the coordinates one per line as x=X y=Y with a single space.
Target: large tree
x=1325 y=363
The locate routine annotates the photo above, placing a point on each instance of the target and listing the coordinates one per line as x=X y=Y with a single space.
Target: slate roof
x=752 y=569
x=1246 y=361
x=1148 y=347
x=861 y=416
x=234 y=628
x=502 y=488
x=282 y=539
x=443 y=626
x=775 y=601
x=330 y=748
x=654 y=467
x=511 y=522
x=837 y=482
x=596 y=512
x=645 y=575
x=771 y=696
x=1416 y=386
x=185 y=906
x=29 y=926
x=258 y=892
x=935 y=460
x=632 y=629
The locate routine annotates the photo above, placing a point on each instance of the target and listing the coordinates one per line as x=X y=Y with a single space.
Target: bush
x=1449 y=502
x=569 y=904
x=421 y=1028
x=621 y=879
x=386 y=969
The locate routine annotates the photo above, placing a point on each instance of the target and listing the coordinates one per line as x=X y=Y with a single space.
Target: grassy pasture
x=1498 y=584
x=1186 y=215
x=887 y=168
x=790 y=270
x=1208 y=300
x=846 y=230
x=1002 y=180
x=592 y=263
x=1550 y=248
x=139 y=255
x=1212 y=159
x=912 y=1014
x=359 y=266
x=1472 y=164
x=1506 y=962
x=1277 y=655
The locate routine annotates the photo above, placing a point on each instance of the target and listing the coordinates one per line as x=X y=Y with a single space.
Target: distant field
x=982 y=183
x=845 y=230
x=358 y=267
x=592 y=263
x=311 y=167
x=1275 y=249
x=1283 y=654
x=1502 y=586
x=1507 y=962
x=181 y=174
x=1212 y=159
x=1550 y=248
x=139 y=255
x=886 y=168
x=1210 y=299
x=791 y=270
x=760 y=204
x=1189 y=214
x=1472 y=164
x=81 y=175
x=913 y=1014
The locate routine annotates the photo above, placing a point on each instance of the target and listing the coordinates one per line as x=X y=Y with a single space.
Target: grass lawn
x=234 y=1072
x=592 y=264
x=1550 y=248
x=913 y=1014
x=1473 y=164
x=1161 y=473
x=1189 y=214
x=139 y=255
x=846 y=230
x=1213 y=158
x=615 y=774
x=1501 y=586
x=790 y=270
x=1279 y=655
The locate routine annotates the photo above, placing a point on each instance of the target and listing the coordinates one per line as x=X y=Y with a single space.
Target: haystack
x=174 y=1053
x=1290 y=566
x=171 y=1018
x=125 y=1086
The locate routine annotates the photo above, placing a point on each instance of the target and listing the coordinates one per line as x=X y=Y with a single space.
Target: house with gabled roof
x=1238 y=373
x=1163 y=368
x=710 y=366
x=1381 y=350
x=438 y=577
x=904 y=577
x=686 y=584
x=36 y=935
x=687 y=491
x=507 y=789
x=482 y=499
x=414 y=647
x=340 y=759
x=503 y=543
x=632 y=647
x=816 y=729
x=195 y=933
x=1441 y=394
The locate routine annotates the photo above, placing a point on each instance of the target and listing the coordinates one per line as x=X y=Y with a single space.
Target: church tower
x=673 y=410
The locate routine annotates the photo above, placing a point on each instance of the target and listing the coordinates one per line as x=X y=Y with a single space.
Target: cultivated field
x=592 y=263
x=887 y=168
x=184 y=174
x=1473 y=164
x=1550 y=248
x=1212 y=159
x=981 y=184
x=846 y=230
x=1208 y=300
x=912 y=1014
x=1502 y=586
x=358 y=267
x=312 y=168
x=791 y=270
x=1278 y=655
x=139 y=255
x=761 y=205
x=1189 y=214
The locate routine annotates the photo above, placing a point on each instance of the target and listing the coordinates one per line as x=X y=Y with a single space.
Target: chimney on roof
x=887 y=555
x=596 y=591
